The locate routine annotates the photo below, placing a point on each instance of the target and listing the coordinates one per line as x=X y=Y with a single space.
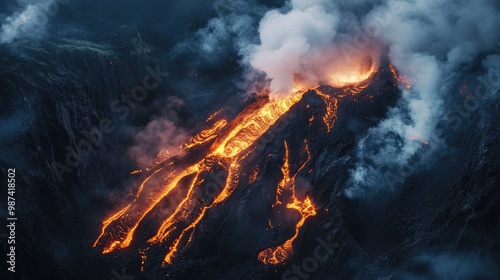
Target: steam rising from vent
x=297 y=50
x=160 y=138
x=428 y=43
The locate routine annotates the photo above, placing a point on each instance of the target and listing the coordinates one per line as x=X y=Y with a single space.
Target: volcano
x=261 y=140
x=228 y=152
x=270 y=153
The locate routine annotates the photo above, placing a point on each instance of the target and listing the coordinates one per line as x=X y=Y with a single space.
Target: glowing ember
x=418 y=139
x=401 y=79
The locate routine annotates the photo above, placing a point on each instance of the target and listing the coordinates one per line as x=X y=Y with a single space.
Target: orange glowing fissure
x=230 y=141
x=306 y=209
x=400 y=78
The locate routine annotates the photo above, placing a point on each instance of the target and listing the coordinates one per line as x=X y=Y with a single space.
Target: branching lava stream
x=230 y=145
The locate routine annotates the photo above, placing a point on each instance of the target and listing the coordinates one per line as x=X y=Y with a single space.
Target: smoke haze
x=424 y=138
x=429 y=42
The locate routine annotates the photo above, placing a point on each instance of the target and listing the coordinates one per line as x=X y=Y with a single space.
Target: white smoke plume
x=297 y=49
x=292 y=41
x=233 y=28
x=429 y=42
x=308 y=43
x=31 y=22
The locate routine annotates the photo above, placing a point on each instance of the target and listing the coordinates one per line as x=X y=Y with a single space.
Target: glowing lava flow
x=118 y=231
x=401 y=79
x=206 y=135
x=351 y=75
x=305 y=208
x=331 y=104
x=230 y=143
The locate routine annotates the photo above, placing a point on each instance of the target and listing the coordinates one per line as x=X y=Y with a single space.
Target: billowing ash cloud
x=308 y=43
x=31 y=22
x=296 y=49
x=291 y=41
x=233 y=28
x=429 y=42
x=230 y=32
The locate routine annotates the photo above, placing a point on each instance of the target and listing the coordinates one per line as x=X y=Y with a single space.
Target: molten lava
x=206 y=135
x=305 y=208
x=400 y=78
x=223 y=145
x=354 y=73
x=227 y=153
